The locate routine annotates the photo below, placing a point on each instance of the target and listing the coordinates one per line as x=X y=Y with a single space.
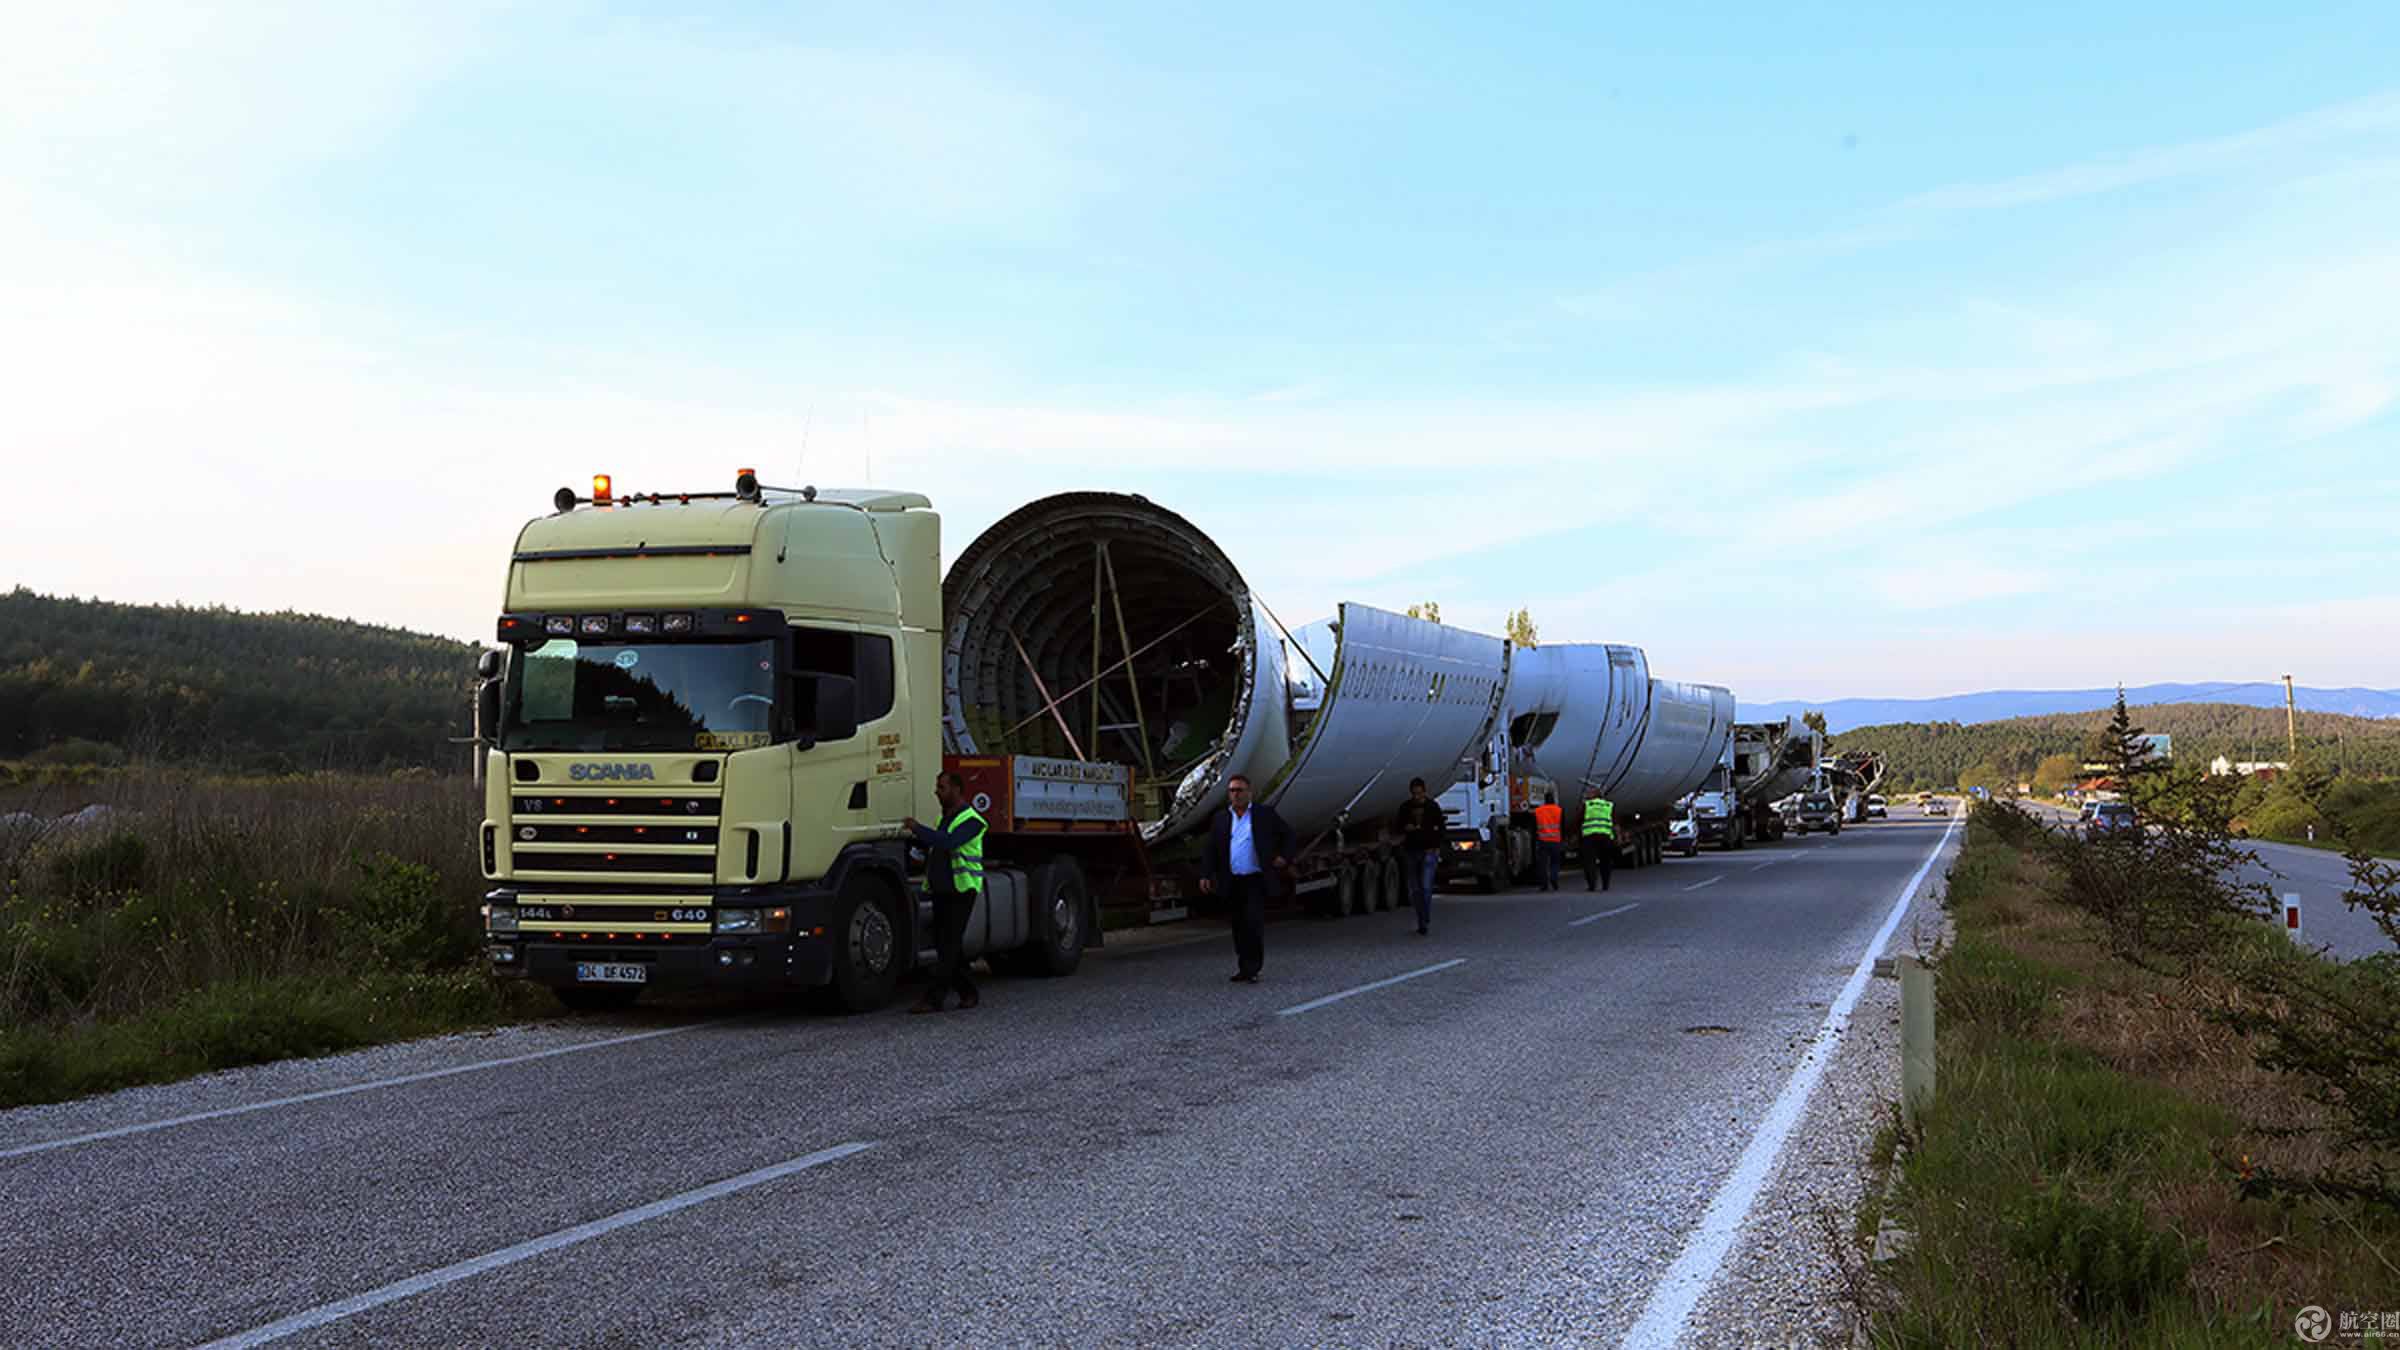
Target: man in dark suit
x=1248 y=848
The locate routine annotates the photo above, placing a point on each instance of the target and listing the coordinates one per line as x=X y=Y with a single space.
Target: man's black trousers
x=1246 y=902
x=1599 y=859
x=950 y=915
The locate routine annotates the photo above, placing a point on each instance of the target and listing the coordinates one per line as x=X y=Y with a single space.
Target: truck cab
x=709 y=715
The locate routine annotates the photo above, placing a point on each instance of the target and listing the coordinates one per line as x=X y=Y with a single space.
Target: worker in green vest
x=954 y=878
x=1599 y=842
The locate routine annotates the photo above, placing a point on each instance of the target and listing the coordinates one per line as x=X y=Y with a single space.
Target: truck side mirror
x=835 y=716
x=487 y=664
x=487 y=710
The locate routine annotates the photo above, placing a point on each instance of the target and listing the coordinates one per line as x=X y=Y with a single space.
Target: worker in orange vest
x=1549 y=838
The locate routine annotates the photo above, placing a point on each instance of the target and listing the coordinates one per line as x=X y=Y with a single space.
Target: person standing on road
x=1549 y=836
x=954 y=877
x=1599 y=842
x=1248 y=848
x=1420 y=826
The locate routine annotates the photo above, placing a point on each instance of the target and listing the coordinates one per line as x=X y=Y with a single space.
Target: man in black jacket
x=1248 y=848
x=1420 y=826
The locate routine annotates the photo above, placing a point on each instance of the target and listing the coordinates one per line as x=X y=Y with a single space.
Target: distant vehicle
x=2084 y=816
x=1935 y=806
x=1818 y=812
x=1683 y=836
x=2112 y=818
x=1877 y=809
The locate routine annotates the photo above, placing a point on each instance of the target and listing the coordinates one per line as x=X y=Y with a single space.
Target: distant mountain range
x=1842 y=714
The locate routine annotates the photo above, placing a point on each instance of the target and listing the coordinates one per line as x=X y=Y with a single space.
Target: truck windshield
x=570 y=695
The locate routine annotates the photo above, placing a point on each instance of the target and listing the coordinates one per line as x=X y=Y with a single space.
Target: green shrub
x=1987 y=985
x=115 y=864
x=401 y=918
x=2104 y=1261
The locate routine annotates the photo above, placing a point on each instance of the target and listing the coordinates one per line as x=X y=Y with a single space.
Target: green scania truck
x=706 y=719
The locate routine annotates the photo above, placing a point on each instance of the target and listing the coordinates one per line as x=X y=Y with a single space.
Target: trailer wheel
x=1395 y=883
x=592 y=998
x=1370 y=887
x=1344 y=892
x=1061 y=906
x=867 y=945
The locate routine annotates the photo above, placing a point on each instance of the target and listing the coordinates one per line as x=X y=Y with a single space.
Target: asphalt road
x=2319 y=878
x=1505 y=1135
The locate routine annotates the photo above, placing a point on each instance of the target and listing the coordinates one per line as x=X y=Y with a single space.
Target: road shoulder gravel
x=1783 y=1282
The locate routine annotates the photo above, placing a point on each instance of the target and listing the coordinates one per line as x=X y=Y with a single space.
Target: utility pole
x=2291 y=721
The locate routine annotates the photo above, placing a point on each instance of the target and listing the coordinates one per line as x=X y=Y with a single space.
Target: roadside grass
x=199 y=923
x=2087 y=1175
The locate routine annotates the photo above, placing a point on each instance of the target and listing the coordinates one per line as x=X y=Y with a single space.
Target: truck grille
x=666 y=839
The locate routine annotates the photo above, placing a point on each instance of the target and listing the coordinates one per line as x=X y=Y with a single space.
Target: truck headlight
x=500 y=918
x=737 y=921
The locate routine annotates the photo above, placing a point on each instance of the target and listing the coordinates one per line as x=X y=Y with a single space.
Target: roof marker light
x=600 y=489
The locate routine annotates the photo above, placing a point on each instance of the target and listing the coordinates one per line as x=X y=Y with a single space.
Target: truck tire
x=868 y=945
x=1344 y=891
x=1395 y=884
x=1370 y=887
x=593 y=998
x=1490 y=870
x=1062 y=906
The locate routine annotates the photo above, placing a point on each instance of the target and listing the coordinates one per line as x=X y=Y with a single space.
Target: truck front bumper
x=800 y=956
x=1712 y=828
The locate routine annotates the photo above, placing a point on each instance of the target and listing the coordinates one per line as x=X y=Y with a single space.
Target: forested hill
x=88 y=679
x=1942 y=754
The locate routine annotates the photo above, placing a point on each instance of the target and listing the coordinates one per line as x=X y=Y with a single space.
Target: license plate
x=590 y=972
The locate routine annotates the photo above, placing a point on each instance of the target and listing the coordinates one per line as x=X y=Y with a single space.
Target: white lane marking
x=1315 y=1003
x=1678 y=1291
x=1603 y=914
x=428 y=1075
x=1781 y=857
x=508 y=1256
x=1710 y=882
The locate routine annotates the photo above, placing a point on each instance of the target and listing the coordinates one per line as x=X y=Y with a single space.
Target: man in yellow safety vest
x=954 y=878
x=1599 y=842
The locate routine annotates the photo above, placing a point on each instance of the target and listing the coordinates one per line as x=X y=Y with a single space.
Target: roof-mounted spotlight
x=745 y=485
x=808 y=494
x=564 y=500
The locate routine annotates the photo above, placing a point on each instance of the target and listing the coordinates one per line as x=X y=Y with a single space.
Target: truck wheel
x=867 y=946
x=1735 y=834
x=1395 y=885
x=592 y=998
x=1061 y=907
x=1488 y=870
x=1370 y=888
x=1344 y=891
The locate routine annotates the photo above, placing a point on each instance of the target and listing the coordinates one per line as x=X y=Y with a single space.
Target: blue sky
x=1822 y=351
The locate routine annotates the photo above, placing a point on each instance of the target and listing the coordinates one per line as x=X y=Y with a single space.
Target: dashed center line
x=509 y=1256
x=1710 y=882
x=1315 y=1003
x=322 y=1094
x=1603 y=914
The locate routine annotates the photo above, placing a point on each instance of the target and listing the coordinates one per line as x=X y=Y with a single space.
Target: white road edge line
x=1678 y=1291
x=221 y=1113
x=1603 y=914
x=1315 y=1003
x=1710 y=882
x=506 y=1256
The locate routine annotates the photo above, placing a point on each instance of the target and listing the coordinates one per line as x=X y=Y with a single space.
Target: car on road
x=1683 y=836
x=1877 y=810
x=1818 y=812
x=2109 y=818
x=1935 y=806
